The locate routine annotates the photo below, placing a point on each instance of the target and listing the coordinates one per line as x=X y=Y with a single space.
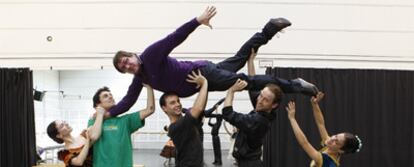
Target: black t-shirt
x=186 y=137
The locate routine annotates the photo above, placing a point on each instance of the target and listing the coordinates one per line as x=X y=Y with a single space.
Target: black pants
x=222 y=75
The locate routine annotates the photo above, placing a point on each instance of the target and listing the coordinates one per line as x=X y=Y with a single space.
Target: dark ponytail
x=352 y=144
x=52 y=132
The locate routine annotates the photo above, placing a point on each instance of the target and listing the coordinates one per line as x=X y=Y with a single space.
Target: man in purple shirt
x=156 y=68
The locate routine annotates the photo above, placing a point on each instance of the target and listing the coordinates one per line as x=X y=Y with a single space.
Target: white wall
x=49 y=109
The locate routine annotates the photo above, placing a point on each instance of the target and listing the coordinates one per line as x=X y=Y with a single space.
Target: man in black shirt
x=183 y=130
x=252 y=126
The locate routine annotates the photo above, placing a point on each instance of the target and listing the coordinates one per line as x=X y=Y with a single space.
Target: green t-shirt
x=114 y=147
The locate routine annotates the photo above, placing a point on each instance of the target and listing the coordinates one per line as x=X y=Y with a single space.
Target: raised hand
x=316 y=99
x=100 y=109
x=291 y=109
x=238 y=86
x=205 y=17
x=196 y=78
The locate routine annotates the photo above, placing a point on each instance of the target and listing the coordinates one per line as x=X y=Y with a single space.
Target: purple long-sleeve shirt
x=161 y=71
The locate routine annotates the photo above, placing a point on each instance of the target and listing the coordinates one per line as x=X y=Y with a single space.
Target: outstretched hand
x=196 y=78
x=316 y=99
x=205 y=17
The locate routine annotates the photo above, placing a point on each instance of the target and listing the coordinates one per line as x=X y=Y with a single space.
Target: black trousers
x=223 y=75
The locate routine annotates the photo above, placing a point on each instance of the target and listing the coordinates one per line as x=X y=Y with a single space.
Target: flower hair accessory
x=359 y=143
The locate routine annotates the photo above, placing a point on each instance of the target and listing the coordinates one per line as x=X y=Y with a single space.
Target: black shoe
x=280 y=23
x=306 y=87
x=274 y=26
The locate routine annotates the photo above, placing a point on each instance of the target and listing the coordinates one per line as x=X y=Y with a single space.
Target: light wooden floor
x=151 y=158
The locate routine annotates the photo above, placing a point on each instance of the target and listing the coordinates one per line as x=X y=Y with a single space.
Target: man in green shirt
x=114 y=147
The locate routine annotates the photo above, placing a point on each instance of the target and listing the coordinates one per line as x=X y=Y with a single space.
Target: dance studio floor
x=151 y=158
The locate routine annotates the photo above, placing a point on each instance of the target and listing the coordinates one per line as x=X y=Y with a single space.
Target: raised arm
x=150 y=103
x=81 y=157
x=162 y=48
x=250 y=63
x=238 y=86
x=201 y=100
x=129 y=99
x=300 y=137
x=94 y=131
x=252 y=72
x=318 y=116
x=241 y=121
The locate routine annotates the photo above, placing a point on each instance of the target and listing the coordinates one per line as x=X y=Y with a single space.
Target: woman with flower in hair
x=333 y=146
x=77 y=149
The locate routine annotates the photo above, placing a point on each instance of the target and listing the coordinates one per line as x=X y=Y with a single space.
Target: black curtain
x=17 y=127
x=377 y=105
